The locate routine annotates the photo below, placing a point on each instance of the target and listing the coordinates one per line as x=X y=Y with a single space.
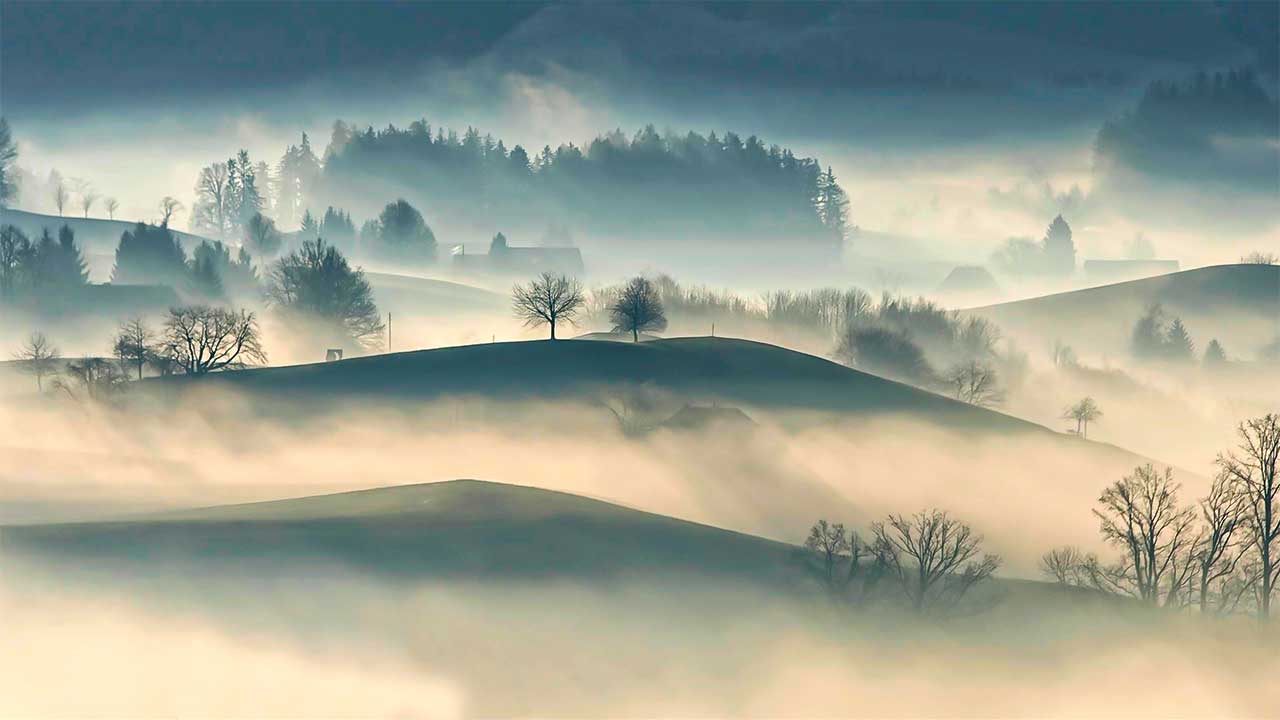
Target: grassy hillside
x=738 y=372
x=1239 y=304
x=408 y=294
x=456 y=528
x=94 y=235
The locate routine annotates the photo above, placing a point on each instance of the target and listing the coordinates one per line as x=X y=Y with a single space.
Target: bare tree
x=91 y=378
x=1083 y=412
x=133 y=344
x=60 y=194
x=38 y=357
x=1065 y=565
x=547 y=300
x=638 y=309
x=844 y=564
x=111 y=205
x=934 y=558
x=1220 y=550
x=1063 y=355
x=87 y=199
x=1260 y=258
x=1140 y=514
x=212 y=199
x=1253 y=468
x=169 y=206
x=975 y=383
x=202 y=339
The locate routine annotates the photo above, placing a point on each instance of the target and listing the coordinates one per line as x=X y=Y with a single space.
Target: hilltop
x=738 y=372
x=1238 y=304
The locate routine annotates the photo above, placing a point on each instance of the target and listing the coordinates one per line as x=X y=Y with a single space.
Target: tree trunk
x=553 y=329
x=635 y=335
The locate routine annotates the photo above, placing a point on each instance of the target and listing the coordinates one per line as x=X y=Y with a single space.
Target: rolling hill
x=1239 y=304
x=460 y=528
x=739 y=372
x=409 y=294
x=94 y=235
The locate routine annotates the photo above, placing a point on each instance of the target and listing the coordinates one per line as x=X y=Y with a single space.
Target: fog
x=451 y=516
x=332 y=643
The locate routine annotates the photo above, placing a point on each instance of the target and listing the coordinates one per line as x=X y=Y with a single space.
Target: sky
x=953 y=126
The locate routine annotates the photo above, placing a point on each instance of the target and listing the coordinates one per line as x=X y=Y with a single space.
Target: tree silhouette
x=1252 y=467
x=149 y=254
x=200 y=339
x=975 y=383
x=168 y=207
x=315 y=281
x=1083 y=412
x=547 y=300
x=8 y=157
x=37 y=357
x=1178 y=343
x=60 y=195
x=111 y=205
x=1059 y=249
x=403 y=234
x=262 y=236
x=885 y=352
x=638 y=309
x=935 y=558
x=1140 y=514
x=133 y=343
x=1214 y=355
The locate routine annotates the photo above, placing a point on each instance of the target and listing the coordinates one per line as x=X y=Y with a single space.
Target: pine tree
x=69 y=268
x=309 y=227
x=1178 y=344
x=1059 y=249
x=833 y=206
x=1214 y=355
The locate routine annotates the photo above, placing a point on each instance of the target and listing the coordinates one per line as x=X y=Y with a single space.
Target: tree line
x=1219 y=555
x=718 y=185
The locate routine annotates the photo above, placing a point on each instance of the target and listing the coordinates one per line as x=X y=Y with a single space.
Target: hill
x=94 y=235
x=738 y=372
x=408 y=294
x=1239 y=304
x=454 y=528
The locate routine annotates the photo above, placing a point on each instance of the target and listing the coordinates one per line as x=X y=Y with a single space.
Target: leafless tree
x=935 y=559
x=87 y=199
x=212 y=191
x=111 y=205
x=169 y=206
x=975 y=383
x=91 y=378
x=1253 y=468
x=1140 y=514
x=1260 y=258
x=547 y=300
x=1219 y=553
x=133 y=344
x=60 y=194
x=844 y=564
x=38 y=357
x=638 y=309
x=1066 y=566
x=1083 y=412
x=202 y=339
x=1063 y=355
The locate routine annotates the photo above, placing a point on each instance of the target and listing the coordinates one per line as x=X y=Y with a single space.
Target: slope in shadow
x=461 y=528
